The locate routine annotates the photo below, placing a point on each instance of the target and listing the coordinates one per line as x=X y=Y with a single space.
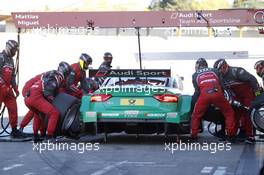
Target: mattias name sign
x=24 y=19
x=130 y=73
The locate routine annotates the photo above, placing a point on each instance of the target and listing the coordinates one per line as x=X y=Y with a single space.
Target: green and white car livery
x=137 y=101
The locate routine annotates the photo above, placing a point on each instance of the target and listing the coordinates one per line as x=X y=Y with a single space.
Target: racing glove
x=257 y=93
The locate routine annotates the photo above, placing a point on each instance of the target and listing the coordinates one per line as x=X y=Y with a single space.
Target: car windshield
x=127 y=81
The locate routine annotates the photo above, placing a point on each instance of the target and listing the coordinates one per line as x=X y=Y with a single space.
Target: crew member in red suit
x=40 y=96
x=245 y=87
x=30 y=114
x=8 y=85
x=209 y=89
x=78 y=75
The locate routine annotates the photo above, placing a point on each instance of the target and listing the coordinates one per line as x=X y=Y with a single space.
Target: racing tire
x=257 y=112
x=71 y=124
x=257 y=118
x=67 y=106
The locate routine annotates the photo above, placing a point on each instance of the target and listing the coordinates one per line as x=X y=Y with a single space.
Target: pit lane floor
x=128 y=155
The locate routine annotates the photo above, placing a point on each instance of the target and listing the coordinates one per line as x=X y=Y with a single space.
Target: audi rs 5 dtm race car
x=137 y=102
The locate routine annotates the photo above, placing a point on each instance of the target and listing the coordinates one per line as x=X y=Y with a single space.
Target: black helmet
x=221 y=65
x=259 y=63
x=85 y=61
x=108 y=55
x=64 y=69
x=201 y=63
x=259 y=66
x=11 y=48
x=108 y=58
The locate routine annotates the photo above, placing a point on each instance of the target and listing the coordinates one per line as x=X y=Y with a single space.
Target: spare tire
x=257 y=118
x=64 y=104
x=257 y=112
x=71 y=124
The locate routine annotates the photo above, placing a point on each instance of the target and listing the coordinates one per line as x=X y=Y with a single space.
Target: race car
x=137 y=102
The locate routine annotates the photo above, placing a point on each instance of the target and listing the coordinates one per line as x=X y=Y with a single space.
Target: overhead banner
x=212 y=18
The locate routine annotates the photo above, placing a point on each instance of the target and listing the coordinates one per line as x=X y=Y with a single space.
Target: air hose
x=233 y=103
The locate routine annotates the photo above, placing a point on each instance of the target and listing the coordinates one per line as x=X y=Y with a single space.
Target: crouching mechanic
x=245 y=87
x=40 y=96
x=78 y=74
x=8 y=85
x=209 y=89
x=30 y=114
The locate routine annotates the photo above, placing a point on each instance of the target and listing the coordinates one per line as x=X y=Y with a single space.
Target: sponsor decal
x=130 y=73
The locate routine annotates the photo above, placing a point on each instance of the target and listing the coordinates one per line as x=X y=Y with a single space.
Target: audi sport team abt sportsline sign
x=139 y=19
x=130 y=73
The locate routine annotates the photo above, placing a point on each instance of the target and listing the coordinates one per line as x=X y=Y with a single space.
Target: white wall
x=40 y=53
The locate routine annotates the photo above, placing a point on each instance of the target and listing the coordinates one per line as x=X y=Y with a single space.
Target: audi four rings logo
x=259 y=17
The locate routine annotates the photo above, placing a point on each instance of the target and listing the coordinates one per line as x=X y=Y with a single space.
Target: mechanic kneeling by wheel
x=209 y=89
x=40 y=96
x=245 y=88
x=68 y=86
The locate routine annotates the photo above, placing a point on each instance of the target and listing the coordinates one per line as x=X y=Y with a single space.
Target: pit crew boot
x=17 y=134
x=36 y=138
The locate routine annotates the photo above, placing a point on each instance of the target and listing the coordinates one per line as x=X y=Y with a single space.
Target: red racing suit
x=30 y=114
x=70 y=86
x=209 y=89
x=39 y=99
x=244 y=85
x=7 y=85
